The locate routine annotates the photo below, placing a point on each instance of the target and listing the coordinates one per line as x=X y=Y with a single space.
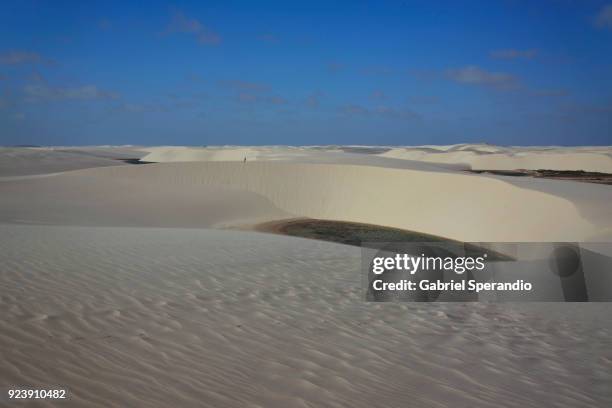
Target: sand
x=172 y=317
x=486 y=157
x=136 y=285
x=15 y=161
x=203 y=194
x=464 y=156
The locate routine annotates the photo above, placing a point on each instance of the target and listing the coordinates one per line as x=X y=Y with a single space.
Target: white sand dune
x=463 y=156
x=228 y=193
x=493 y=158
x=188 y=318
x=19 y=161
x=97 y=198
x=122 y=312
x=312 y=154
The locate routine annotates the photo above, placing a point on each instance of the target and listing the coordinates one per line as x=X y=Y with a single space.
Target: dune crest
x=413 y=200
x=467 y=156
x=477 y=158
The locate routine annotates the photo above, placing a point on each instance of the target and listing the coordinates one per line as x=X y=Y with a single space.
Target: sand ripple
x=185 y=317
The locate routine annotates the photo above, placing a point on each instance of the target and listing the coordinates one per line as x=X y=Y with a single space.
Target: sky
x=506 y=72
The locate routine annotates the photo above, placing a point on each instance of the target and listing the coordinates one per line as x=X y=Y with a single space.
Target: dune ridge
x=414 y=200
x=466 y=156
x=587 y=161
x=28 y=161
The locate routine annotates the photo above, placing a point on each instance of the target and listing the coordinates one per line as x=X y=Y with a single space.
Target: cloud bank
x=604 y=17
x=40 y=93
x=474 y=75
x=180 y=23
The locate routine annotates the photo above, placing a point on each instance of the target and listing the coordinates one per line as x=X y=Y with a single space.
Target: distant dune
x=476 y=158
x=20 y=161
x=288 y=182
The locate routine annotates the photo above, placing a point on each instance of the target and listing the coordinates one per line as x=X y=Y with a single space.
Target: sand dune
x=97 y=198
x=362 y=155
x=226 y=193
x=168 y=317
x=493 y=158
x=19 y=161
x=463 y=156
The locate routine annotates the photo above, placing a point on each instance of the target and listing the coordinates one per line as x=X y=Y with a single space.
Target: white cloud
x=247 y=97
x=381 y=111
x=144 y=107
x=180 y=23
x=21 y=57
x=551 y=92
x=239 y=85
x=251 y=97
x=314 y=99
x=473 y=75
x=38 y=93
x=276 y=100
x=352 y=109
x=604 y=17
x=378 y=95
x=514 y=54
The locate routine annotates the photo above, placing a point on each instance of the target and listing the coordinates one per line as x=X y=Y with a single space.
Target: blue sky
x=507 y=72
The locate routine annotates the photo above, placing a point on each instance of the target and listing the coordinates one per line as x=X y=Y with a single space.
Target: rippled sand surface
x=158 y=317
